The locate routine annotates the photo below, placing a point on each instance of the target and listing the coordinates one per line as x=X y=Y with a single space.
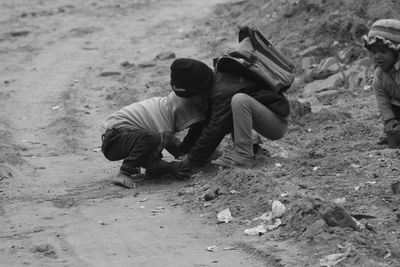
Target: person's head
x=383 y=41
x=190 y=77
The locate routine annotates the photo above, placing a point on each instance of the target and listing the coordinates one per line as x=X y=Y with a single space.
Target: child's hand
x=178 y=170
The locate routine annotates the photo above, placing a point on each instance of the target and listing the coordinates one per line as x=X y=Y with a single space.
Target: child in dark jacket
x=237 y=105
x=383 y=42
x=139 y=132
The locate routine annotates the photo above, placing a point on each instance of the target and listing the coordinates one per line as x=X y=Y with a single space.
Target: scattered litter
x=275 y=225
x=76 y=81
x=142 y=207
x=278 y=209
x=225 y=216
x=315 y=168
x=229 y=248
x=97 y=149
x=262 y=228
x=284 y=194
x=265 y=217
x=206 y=204
x=309 y=130
x=158 y=210
x=102 y=223
x=212 y=248
x=340 y=200
x=333 y=259
x=355 y=166
x=278 y=164
x=258 y=230
x=143 y=200
x=357 y=187
x=56 y=107
x=233 y=191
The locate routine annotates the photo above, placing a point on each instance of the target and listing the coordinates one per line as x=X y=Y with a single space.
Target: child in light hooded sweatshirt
x=139 y=132
x=383 y=42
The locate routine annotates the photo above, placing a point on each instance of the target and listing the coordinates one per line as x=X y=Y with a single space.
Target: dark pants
x=137 y=148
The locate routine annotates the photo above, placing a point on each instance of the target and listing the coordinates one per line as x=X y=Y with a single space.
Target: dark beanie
x=190 y=77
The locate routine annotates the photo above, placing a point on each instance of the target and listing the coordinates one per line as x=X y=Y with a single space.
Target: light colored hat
x=385 y=30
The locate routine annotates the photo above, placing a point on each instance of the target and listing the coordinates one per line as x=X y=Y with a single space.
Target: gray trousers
x=249 y=114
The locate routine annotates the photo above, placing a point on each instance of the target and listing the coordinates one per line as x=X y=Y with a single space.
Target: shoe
x=236 y=160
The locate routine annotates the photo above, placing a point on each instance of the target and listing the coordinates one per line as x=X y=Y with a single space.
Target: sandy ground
x=58 y=207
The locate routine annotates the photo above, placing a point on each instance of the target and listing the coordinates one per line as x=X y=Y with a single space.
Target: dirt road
x=65 y=65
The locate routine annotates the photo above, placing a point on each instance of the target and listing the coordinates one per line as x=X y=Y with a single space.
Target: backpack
x=257 y=59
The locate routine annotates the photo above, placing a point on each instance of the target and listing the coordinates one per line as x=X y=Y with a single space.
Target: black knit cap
x=190 y=77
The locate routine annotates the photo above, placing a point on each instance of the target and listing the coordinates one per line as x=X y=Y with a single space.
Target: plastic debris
x=262 y=228
x=278 y=164
x=265 y=217
x=225 y=216
x=333 y=259
x=56 y=107
x=258 y=230
x=278 y=209
x=212 y=248
x=275 y=225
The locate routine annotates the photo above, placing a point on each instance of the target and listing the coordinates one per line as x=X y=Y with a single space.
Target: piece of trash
x=396 y=188
x=258 y=230
x=265 y=217
x=212 y=248
x=76 y=81
x=333 y=259
x=233 y=191
x=340 y=200
x=315 y=168
x=371 y=182
x=278 y=209
x=206 y=204
x=158 y=210
x=225 y=216
x=278 y=164
x=357 y=188
x=143 y=200
x=284 y=194
x=97 y=149
x=355 y=166
x=309 y=130
x=102 y=223
x=56 y=107
x=229 y=248
x=273 y=226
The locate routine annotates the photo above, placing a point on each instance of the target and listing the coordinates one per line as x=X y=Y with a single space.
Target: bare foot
x=124 y=180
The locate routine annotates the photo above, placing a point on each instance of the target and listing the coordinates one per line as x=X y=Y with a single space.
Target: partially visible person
x=237 y=106
x=383 y=42
x=139 y=132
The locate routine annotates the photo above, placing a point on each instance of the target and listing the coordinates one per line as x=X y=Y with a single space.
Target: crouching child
x=139 y=132
x=383 y=42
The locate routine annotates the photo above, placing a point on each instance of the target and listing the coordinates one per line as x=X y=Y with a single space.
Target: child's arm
x=193 y=134
x=383 y=98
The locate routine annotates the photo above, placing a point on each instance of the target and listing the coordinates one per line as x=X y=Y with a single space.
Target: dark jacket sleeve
x=191 y=137
x=219 y=125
